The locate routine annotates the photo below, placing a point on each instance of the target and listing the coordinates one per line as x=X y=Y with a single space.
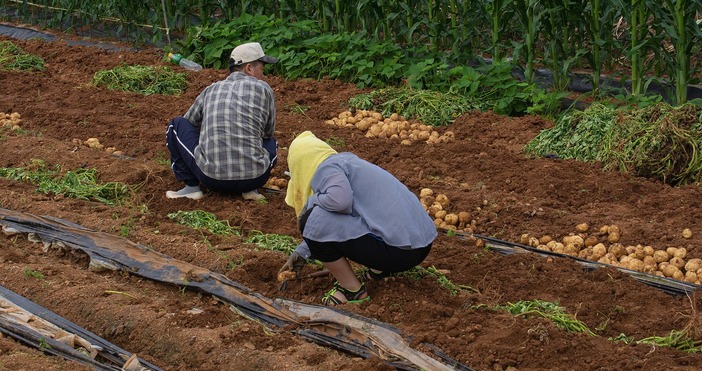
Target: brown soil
x=483 y=172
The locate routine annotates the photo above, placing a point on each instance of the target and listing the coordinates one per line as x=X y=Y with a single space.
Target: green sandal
x=351 y=296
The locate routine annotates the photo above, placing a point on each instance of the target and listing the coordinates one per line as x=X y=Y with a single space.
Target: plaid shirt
x=233 y=116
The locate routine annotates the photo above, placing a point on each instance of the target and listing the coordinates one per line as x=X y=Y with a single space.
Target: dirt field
x=483 y=172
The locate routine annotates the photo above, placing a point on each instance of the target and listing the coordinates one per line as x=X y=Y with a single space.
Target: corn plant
x=680 y=26
x=529 y=13
x=499 y=12
x=562 y=45
x=601 y=16
x=638 y=16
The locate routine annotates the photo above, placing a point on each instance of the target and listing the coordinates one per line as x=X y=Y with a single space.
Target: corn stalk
x=637 y=21
x=529 y=16
x=684 y=32
x=497 y=9
x=601 y=17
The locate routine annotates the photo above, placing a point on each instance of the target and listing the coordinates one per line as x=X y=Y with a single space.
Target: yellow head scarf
x=305 y=154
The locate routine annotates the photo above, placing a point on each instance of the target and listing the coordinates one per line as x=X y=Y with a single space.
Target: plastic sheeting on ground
x=326 y=326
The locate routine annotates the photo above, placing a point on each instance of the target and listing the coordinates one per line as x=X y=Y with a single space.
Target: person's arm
x=303 y=250
x=332 y=191
x=194 y=113
x=269 y=126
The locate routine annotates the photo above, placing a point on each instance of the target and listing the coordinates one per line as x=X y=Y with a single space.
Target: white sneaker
x=193 y=195
x=253 y=195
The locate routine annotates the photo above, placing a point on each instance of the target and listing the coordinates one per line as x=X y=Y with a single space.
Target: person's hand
x=295 y=263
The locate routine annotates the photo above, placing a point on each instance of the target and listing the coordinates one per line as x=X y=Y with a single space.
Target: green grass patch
x=145 y=80
x=81 y=183
x=548 y=310
x=271 y=241
x=14 y=58
x=203 y=220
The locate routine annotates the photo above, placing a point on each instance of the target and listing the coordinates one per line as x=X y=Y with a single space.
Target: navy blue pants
x=182 y=138
x=369 y=251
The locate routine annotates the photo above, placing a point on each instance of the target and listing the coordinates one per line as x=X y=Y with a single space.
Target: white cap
x=249 y=52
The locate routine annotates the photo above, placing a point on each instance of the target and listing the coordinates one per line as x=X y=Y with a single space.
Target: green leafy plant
x=203 y=220
x=551 y=311
x=144 y=80
x=579 y=135
x=443 y=281
x=80 y=183
x=30 y=273
x=43 y=344
x=271 y=241
x=14 y=58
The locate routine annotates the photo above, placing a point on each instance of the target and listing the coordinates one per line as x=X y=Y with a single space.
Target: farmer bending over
x=225 y=140
x=348 y=208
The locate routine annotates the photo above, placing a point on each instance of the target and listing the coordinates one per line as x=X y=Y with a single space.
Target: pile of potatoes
x=95 y=143
x=393 y=127
x=10 y=120
x=276 y=183
x=438 y=207
x=603 y=246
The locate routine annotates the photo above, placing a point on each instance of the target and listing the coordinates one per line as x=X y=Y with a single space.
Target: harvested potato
x=618 y=250
x=451 y=219
x=677 y=262
x=661 y=256
x=574 y=240
x=281 y=183
x=599 y=250
x=693 y=265
x=687 y=233
x=669 y=270
x=524 y=239
x=582 y=227
x=680 y=253
x=636 y=265
x=426 y=192
x=286 y=275
x=443 y=200
x=591 y=241
x=545 y=239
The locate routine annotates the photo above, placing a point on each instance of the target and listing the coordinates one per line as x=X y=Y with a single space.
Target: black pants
x=370 y=251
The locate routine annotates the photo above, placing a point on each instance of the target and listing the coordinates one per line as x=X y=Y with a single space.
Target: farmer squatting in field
x=348 y=208
x=225 y=139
